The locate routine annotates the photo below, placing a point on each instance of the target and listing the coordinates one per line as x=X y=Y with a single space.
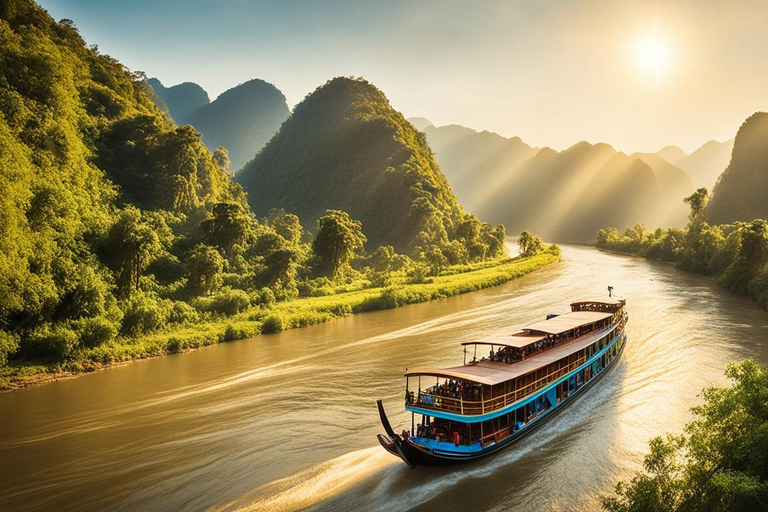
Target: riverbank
x=278 y=317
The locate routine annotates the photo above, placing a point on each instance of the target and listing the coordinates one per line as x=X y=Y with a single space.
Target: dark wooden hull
x=416 y=455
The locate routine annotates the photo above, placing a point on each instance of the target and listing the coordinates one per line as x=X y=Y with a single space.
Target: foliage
x=204 y=267
x=736 y=255
x=529 y=244
x=740 y=192
x=338 y=239
x=345 y=147
x=720 y=463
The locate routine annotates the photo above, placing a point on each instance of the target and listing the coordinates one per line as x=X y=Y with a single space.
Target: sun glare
x=653 y=54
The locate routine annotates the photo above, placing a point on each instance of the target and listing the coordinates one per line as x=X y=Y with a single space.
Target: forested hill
x=345 y=147
x=80 y=140
x=181 y=100
x=741 y=193
x=241 y=119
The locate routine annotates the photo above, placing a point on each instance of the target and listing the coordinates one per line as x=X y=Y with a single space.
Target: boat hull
x=416 y=455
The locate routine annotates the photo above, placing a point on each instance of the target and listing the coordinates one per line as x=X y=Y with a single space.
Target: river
x=289 y=421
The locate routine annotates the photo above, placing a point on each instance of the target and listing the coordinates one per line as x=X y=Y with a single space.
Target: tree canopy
x=720 y=462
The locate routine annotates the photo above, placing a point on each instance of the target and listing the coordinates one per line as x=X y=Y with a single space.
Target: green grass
x=280 y=316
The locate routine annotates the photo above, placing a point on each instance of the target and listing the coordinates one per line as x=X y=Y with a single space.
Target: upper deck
x=526 y=360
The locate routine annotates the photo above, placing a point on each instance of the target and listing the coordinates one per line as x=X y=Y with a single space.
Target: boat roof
x=491 y=373
x=568 y=321
x=503 y=339
x=610 y=301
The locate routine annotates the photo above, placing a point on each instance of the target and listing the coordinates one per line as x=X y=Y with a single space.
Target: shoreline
x=293 y=314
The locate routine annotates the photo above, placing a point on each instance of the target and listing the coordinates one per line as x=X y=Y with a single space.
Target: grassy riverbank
x=280 y=316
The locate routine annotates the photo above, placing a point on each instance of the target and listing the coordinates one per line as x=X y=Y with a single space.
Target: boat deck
x=491 y=373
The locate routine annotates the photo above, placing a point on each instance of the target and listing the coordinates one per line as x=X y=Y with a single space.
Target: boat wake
x=314 y=485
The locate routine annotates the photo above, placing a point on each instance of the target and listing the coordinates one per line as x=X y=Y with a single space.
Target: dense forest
x=116 y=223
x=563 y=195
x=345 y=147
x=741 y=193
x=736 y=254
x=720 y=462
x=241 y=119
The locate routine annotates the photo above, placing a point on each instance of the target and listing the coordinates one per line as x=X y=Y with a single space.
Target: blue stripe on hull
x=512 y=407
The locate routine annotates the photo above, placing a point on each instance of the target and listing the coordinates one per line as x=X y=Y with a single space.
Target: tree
x=227 y=225
x=698 y=202
x=285 y=224
x=221 y=157
x=134 y=241
x=204 y=268
x=529 y=244
x=338 y=239
x=720 y=463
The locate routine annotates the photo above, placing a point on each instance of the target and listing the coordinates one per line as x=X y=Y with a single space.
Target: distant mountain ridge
x=181 y=99
x=705 y=165
x=475 y=163
x=565 y=196
x=242 y=119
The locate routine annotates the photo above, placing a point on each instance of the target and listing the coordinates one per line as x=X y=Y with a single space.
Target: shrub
x=9 y=344
x=273 y=323
x=96 y=331
x=230 y=302
x=232 y=333
x=266 y=296
x=52 y=341
x=182 y=313
x=142 y=314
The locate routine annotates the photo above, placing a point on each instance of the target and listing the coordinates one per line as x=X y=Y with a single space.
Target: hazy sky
x=638 y=75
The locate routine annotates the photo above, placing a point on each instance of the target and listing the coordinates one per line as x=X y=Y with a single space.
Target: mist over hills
x=565 y=196
x=704 y=165
x=741 y=193
x=242 y=119
x=476 y=163
x=420 y=123
x=345 y=147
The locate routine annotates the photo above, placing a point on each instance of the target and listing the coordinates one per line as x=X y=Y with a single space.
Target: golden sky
x=638 y=75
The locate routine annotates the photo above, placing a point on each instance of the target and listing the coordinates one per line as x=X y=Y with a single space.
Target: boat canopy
x=568 y=322
x=492 y=373
x=611 y=301
x=501 y=339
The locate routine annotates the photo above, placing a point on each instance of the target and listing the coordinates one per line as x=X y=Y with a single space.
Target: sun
x=652 y=53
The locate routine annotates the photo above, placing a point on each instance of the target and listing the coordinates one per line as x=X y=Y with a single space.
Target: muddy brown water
x=288 y=421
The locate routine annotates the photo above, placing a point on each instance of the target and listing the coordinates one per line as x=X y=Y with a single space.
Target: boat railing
x=477 y=407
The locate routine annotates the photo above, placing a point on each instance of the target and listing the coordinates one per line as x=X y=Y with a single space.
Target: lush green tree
x=698 y=202
x=529 y=244
x=339 y=238
x=382 y=259
x=719 y=464
x=204 y=268
x=133 y=242
x=227 y=225
x=285 y=224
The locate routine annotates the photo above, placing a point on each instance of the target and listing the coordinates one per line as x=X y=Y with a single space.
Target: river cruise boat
x=514 y=382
